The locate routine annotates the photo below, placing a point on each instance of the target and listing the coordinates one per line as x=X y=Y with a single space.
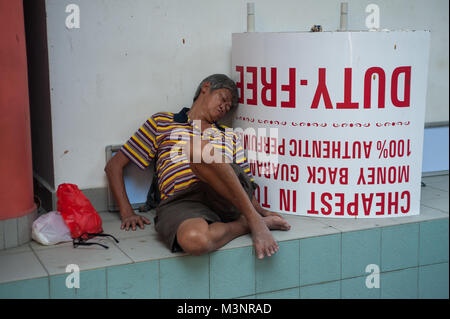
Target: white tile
x=241 y=241
x=109 y=216
x=10 y=233
x=20 y=266
x=354 y=224
x=439 y=203
x=347 y=225
x=113 y=228
x=430 y=193
x=426 y=213
x=440 y=182
x=443 y=185
x=38 y=246
x=143 y=245
x=145 y=248
x=56 y=259
x=303 y=227
x=435 y=178
x=434 y=195
x=16 y=250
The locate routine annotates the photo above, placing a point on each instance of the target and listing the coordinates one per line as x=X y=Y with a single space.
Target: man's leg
x=222 y=178
x=197 y=237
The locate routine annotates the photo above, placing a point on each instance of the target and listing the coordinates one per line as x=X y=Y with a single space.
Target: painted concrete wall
x=132 y=58
x=435 y=150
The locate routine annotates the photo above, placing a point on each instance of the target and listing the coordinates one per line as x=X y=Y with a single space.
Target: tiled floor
x=141 y=250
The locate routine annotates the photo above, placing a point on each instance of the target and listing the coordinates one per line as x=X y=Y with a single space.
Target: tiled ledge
x=318 y=258
x=15 y=232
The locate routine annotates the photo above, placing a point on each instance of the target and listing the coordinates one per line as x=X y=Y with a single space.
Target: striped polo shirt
x=163 y=134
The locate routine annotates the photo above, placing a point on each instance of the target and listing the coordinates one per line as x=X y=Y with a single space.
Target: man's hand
x=132 y=221
x=114 y=172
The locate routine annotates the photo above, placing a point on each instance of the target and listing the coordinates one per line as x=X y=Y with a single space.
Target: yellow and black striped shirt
x=162 y=136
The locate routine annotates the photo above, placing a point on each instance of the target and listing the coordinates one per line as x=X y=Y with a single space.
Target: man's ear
x=205 y=87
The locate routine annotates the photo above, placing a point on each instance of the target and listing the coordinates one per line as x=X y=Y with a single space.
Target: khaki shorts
x=199 y=200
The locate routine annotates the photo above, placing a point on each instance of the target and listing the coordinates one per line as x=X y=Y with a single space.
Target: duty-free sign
x=332 y=122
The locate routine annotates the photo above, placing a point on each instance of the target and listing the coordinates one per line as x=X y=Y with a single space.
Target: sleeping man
x=207 y=199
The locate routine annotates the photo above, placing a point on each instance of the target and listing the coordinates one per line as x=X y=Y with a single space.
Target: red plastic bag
x=77 y=211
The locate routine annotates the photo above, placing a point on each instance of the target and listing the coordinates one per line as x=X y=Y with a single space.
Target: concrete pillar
x=17 y=207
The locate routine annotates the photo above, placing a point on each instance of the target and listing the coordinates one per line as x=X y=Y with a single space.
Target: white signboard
x=333 y=122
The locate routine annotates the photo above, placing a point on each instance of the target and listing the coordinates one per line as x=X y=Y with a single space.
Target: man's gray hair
x=220 y=81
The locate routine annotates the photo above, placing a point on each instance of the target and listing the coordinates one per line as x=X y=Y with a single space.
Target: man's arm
x=240 y=159
x=114 y=172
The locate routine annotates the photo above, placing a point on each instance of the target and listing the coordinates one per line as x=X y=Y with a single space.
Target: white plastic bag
x=50 y=229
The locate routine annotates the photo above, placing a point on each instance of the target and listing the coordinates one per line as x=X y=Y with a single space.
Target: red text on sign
x=267 y=80
x=390 y=203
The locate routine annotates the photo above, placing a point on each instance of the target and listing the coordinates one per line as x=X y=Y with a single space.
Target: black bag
x=153 y=195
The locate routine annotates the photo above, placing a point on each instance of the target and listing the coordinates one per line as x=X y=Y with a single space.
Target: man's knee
x=193 y=241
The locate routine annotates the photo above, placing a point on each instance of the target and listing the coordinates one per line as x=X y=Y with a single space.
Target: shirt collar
x=182 y=117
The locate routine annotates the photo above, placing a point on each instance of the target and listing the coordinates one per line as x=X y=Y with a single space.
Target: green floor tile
x=320 y=259
x=140 y=280
x=232 y=273
x=433 y=242
x=247 y=297
x=399 y=247
x=433 y=281
x=360 y=249
x=292 y=293
x=280 y=271
x=184 y=277
x=92 y=284
x=59 y=289
x=329 y=290
x=25 y=289
x=399 y=284
x=356 y=288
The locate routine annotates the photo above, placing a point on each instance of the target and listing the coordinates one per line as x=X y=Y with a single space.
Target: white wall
x=128 y=60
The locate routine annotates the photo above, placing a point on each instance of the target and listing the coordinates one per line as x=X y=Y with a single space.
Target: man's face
x=218 y=103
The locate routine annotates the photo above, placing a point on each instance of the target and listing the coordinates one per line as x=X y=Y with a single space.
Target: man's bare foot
x=263 y=241
x=272 y=222
x=276 y=223
x=265 y=244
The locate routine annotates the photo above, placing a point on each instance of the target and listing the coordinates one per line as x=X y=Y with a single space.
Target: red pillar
x=16 y=172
